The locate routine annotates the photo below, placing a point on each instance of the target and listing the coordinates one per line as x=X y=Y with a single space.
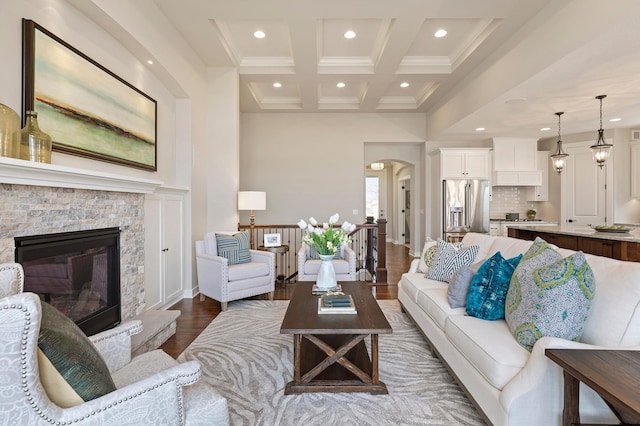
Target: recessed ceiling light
x=150 y=62
x=615 y=119
x=277 y=85
x=340 y=85
x=404 y=84
x=544 y=129
x=349 y=34
x=259 y=34
x=479 y=129
x=440 y=33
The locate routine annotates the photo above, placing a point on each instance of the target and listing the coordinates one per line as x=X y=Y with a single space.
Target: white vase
x=326 y=275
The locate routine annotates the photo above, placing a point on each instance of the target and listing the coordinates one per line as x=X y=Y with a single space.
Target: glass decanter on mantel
x=35 y=145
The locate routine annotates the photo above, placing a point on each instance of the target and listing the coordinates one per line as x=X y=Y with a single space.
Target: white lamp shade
x=252 y=200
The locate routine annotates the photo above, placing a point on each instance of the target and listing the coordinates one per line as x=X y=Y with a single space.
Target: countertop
x=585 y=231
x=522 y=222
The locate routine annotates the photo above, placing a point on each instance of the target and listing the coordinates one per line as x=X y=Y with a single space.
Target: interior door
x=172 y=248
x=585 y=191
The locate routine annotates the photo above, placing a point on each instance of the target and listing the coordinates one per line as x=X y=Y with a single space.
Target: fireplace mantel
x=23 y=172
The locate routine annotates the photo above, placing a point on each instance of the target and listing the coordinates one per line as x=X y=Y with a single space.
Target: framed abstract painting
x=85 y=108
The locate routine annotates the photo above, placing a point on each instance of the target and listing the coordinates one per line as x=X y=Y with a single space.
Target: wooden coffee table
x=613 y=374
x=329 y=351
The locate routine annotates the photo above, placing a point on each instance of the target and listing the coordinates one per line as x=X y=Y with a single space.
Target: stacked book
x=336 y=304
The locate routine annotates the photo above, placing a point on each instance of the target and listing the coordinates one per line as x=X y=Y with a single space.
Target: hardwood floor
x=196 y=315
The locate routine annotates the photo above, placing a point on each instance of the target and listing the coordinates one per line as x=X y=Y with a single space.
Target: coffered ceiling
x=305 y=49
x=308 y=63
x=505 y=65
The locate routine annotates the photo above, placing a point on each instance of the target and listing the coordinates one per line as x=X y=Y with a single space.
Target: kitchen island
x=621 y=246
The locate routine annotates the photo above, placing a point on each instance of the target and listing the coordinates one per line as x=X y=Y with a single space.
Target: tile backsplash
x=509 y=199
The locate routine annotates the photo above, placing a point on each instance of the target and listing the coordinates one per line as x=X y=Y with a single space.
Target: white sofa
x=509 y=385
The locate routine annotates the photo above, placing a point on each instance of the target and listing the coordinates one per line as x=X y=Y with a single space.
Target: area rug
x=244 y=356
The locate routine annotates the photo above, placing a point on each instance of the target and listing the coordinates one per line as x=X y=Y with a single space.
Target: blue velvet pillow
x=488 y=289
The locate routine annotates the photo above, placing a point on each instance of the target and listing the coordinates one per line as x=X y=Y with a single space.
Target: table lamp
x=252 y=200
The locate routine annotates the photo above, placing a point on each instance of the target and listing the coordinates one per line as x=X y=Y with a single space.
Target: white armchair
x=308 y=268
x=152 y=389
x=225 y=283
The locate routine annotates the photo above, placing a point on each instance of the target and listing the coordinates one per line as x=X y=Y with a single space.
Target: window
x=372 y=196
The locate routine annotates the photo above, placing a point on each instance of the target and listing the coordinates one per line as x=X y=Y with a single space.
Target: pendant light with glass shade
x=601 y=149
x=559 y=158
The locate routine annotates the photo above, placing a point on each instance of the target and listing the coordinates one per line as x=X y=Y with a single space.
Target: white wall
x=75 y=28
x=314 y=164
x=411 y=155
x=197 y=109
x=218 y=158
x=625 y=209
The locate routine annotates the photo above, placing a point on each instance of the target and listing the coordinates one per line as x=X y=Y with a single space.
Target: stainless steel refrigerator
x=465 y=207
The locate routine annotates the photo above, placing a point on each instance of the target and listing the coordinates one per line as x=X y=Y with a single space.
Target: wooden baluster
x=381 y=266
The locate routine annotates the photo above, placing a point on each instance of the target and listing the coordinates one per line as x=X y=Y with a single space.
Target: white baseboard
x=191 y=293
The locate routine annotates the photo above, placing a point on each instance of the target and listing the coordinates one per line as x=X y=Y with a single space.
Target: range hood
x=514 y=162
x=502 y=178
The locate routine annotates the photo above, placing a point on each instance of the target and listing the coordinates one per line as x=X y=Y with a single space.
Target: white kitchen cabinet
x=464 y=163
x=515 y=154
x=635 y=169
x=541 y=192
x=164 y=253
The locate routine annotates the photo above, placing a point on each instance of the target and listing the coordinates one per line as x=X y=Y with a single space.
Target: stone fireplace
x=34 y=209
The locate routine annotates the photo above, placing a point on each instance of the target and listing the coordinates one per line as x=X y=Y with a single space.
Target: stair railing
x=368 y=242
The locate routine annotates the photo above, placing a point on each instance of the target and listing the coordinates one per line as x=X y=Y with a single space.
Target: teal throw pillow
x=448 y=258
x=554 y=300
x=70 y=357
x=234 y=247
x=488 y=289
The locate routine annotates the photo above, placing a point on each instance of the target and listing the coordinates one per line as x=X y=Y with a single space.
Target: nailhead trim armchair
x=152 y=389
x=225 y=283
x=345 y=268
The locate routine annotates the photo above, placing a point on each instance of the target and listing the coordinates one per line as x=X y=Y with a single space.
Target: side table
x=613 y=374
x=282 y=250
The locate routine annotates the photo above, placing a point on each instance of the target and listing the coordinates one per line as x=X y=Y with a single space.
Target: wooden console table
x=613 y=374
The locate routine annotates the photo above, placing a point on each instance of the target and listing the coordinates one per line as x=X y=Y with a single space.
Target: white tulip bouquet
x=326 y=239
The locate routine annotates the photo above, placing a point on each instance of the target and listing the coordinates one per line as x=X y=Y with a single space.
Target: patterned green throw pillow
x=429 y=255
x=549 y=298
